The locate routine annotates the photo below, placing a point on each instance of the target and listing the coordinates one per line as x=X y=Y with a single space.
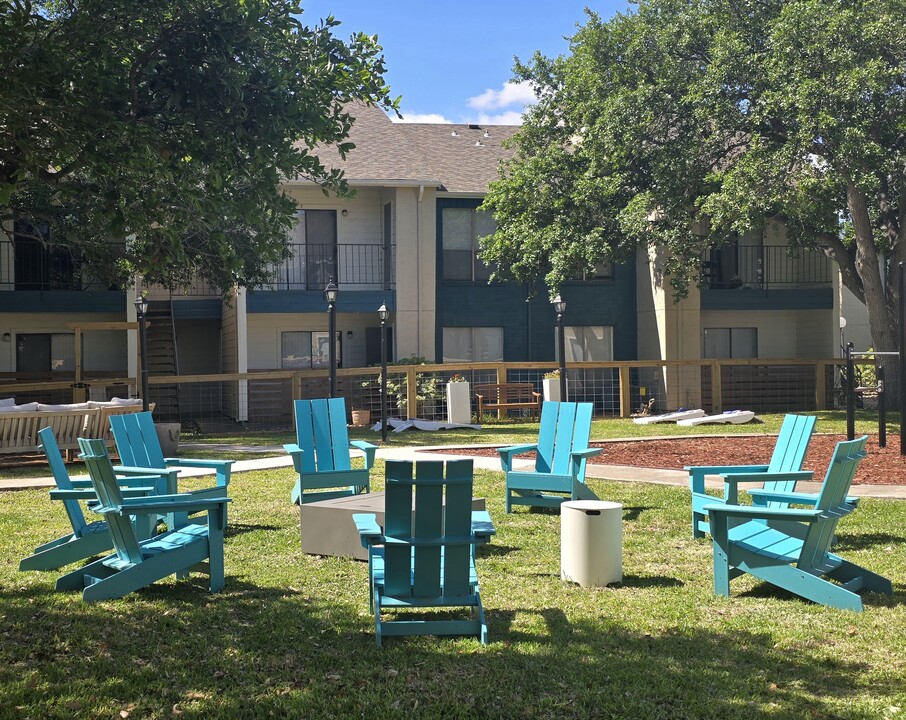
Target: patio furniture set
x=421 y=534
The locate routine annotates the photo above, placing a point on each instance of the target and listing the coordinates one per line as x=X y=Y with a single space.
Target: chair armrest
x=724 y=469
x=161 y=504
x=731 y=491
x=482 y=525
x=90 y=494
x=153 y=472
x=295 y=452
x=797 y=498
x=587 y=452
x=220 y=467
x=719 y=518
x=191 y=462
x=536 y=395
x=507 y=454
x=369 y=531
x=758 y=513
x=517 y=449
x=697 y=473
x=367 y=448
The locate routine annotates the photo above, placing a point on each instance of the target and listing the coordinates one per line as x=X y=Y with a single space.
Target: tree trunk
x=881 y=293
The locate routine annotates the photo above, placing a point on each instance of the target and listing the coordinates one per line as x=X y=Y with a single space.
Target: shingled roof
x=455 y=158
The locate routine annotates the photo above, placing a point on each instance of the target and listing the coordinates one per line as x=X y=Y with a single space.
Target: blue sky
x=453 y=61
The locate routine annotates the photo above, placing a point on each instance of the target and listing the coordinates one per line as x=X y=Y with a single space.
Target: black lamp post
x=383 y=314
x=560 y=309
x=141 y=312
x=330 y=294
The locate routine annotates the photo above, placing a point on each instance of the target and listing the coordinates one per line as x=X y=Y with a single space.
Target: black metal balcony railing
x=765 y=267
x=29 y=265
x=363 y=266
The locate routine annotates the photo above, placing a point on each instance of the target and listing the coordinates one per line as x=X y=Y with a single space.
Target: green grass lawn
x=291 y=635
x=521 y=431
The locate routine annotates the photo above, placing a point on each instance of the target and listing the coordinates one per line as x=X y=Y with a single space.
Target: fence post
x=717 y=401
x=820 y=388
x=296 y=387
x=411 y=393
x=625 y=392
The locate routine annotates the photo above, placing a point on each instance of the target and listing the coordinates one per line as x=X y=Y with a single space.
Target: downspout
x=418 y=270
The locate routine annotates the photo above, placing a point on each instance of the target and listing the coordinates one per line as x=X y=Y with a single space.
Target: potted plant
x=458 y=401
x=550 y=383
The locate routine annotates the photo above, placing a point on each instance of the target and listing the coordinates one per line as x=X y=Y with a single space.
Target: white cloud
x=510 y=117
x=509 y=94
x=420 y=118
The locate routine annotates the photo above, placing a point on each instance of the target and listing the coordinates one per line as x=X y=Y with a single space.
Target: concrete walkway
x=273 y=456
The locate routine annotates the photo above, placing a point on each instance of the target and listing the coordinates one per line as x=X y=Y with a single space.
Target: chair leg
x=697 y=519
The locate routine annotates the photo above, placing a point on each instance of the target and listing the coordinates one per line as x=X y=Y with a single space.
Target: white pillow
x=57 y=408
x=126 y=401
x=7 y=402
x=27 y=407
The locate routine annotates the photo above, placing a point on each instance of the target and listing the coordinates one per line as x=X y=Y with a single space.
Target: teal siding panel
x=785 y=299
x=63 y=301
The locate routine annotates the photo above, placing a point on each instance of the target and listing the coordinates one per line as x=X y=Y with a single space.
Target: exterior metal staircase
x=163 y=359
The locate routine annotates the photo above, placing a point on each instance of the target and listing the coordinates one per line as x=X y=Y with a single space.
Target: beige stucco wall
x=667 y=329
x=102 y=349
x=416 y=272
x=781 y=333
x=264 y=335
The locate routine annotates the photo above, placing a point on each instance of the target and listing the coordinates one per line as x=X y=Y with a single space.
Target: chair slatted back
x=565 y=427
x=103 y=479
x=61 y=478
x=832 y=501
x=429 y=545
x=322 y=434
x=136 y=440
x=789 y=452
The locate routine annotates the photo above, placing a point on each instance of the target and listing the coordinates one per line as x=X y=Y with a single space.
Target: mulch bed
x=882 y=466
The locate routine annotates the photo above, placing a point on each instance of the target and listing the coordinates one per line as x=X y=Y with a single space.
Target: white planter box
x=551 y=387
x=458 y=406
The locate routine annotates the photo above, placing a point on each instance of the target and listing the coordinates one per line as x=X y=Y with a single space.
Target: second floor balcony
x=351 y=266
x=765 y=267
x=766 y=277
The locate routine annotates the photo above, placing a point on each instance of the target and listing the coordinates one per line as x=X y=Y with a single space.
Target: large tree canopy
x=684 y=122
x=171 y=124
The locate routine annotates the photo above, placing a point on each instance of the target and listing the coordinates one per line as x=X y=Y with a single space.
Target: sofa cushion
x=27 y=407
x=42 y=407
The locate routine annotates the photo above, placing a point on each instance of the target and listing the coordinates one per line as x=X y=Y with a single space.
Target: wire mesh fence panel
x=598 y=386
x=768 y=388
x=263 y=400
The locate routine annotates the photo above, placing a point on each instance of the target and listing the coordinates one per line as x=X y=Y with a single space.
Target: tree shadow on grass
x=253 y=651
x=866 y=541
x=234 y=529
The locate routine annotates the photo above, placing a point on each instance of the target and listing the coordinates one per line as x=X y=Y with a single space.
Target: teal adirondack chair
x=790 y=547
x=780 y=474
x=561 y=454
x=425 y=556
x=137 y=563
x=86 y=539
x=137 y=445
x=321 y=453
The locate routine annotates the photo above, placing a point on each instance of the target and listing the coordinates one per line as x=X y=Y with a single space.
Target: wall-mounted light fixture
x=349 y=333
x=6 y=337
x=344 y=212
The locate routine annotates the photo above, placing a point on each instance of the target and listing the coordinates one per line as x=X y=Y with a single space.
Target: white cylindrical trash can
x=591 y=542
